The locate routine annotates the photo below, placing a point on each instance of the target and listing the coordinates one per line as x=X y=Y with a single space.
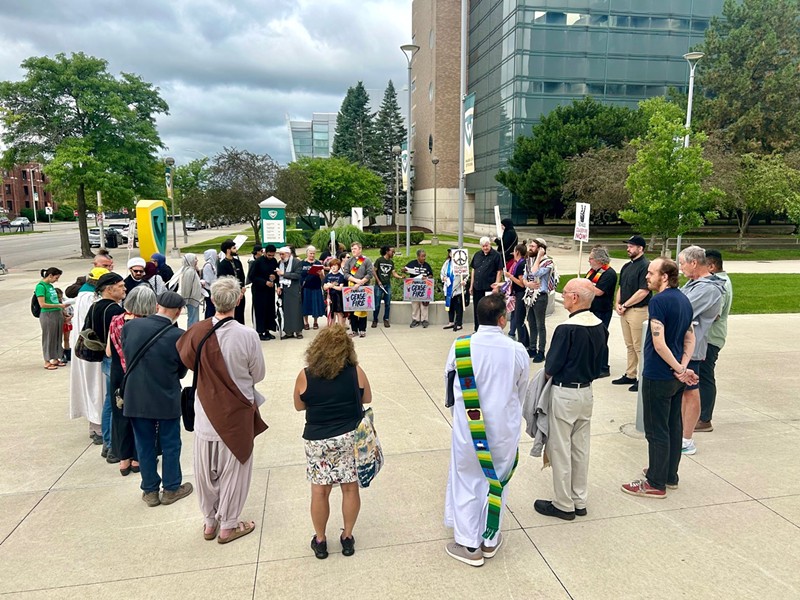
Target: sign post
x=48 y=210
x=273 y=221
x=581 y=229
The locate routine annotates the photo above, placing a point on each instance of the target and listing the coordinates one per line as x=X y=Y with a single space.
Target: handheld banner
x=151 y=220
x=361 y=299
x=418 y=290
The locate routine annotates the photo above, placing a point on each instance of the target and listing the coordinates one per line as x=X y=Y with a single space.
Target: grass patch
x=26 y=232
x=216 y=242
x=755 y=254
x=468 y=239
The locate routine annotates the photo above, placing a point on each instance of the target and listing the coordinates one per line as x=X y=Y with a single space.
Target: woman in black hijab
x=510 y=240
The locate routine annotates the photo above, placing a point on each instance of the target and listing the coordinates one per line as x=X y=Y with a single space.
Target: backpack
x=36 y=310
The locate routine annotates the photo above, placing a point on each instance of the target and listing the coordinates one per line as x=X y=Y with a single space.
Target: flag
x=405 y=164
x=469 y=148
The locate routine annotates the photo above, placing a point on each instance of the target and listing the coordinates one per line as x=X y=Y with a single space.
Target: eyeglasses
x=137 y=271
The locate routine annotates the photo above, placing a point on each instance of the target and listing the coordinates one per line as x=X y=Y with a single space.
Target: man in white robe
x=86 y=384
x=501 y=367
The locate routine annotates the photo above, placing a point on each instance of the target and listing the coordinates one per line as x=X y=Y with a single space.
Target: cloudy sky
x=230 y=70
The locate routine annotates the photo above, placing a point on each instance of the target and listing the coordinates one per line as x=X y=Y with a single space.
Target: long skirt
x=313 y=304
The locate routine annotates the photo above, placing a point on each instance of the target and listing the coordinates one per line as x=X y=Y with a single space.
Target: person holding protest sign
x=541 y=278
x=454 y=298
x=334 y=283
x=419 y=269
x=358 y=270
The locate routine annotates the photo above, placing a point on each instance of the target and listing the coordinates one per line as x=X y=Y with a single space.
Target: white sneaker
x=688 y=447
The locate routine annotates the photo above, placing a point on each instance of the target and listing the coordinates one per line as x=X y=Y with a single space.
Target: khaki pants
x=568 y=445
x=632 y=321
x=419 y=311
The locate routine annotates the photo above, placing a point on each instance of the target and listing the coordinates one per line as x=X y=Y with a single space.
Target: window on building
x=24 y=175
x=27 y=204
x=25 y=190
x=553 y=87
x=8 y=189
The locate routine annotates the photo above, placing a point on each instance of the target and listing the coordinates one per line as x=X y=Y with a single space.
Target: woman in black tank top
x=331 y=390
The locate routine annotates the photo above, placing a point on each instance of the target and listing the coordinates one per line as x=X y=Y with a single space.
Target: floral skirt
x=331 y=460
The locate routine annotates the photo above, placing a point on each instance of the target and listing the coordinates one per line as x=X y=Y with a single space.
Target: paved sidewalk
x=70 y=526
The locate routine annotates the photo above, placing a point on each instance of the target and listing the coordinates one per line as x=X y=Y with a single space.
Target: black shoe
x=546 y=508
x=581 y=512
x=634 y=387
x=604 y=374
x=111 y=458
x=263 y=337
x=538 y=357
x=448 y=326
x=457 y=328
x=424 y=324
x=96 y=439
x=624 y=380
x=386 y=323
x=348 y=545
x=374 y=324
x=414 y=324
x=104 y=451
x=320 y=548
x=269 y=336
x=531 y=353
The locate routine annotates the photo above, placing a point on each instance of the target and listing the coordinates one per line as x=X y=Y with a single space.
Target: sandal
x=210 y=536
x=306 y=327
x=50 y=367
x=316 y=326
x=242 y=529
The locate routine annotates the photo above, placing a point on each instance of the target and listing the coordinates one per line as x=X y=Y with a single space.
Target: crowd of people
x=132 y=398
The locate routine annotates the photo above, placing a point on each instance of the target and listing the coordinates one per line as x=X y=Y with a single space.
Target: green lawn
x=755 y=254
x=215 y=243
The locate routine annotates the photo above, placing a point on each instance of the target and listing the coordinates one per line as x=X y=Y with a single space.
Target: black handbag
x=89 y=346
x=187 y=393
x=119 y=393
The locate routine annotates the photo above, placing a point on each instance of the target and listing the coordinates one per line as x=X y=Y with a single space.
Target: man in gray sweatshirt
x=704 y=290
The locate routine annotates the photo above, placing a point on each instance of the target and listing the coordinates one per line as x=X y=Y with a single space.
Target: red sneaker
x=640 y=487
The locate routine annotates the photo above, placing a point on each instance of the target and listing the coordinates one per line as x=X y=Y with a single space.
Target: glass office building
x=527 y=57
x=312 y=138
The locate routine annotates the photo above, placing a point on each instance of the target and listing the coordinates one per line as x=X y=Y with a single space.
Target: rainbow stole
x=357 y=265
x=477 y=429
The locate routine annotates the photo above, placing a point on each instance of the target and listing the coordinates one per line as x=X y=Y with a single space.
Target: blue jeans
x=169 y=434
x=105 y=423
x=193 y=315
x=386 y=297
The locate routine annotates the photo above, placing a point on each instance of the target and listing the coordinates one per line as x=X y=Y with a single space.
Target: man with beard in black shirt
x=231 y=266
x=262 y=279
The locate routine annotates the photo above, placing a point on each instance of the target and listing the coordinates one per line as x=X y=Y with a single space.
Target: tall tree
x=293 y=188
x=96 y=131
x=355 y=132
x=240 y=180
x=336 y=185
x=750 y=76
x=536 y=169
x=190 y=182
x=666 y=181
x=598 y=177
x=390 y=131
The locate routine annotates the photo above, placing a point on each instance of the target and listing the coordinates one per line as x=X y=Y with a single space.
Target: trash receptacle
x=111 y=238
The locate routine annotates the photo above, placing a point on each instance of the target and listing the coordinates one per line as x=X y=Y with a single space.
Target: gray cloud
x=230 y=71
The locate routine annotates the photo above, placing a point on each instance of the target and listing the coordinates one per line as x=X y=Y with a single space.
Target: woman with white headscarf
x=187 y=283
x=209 y=276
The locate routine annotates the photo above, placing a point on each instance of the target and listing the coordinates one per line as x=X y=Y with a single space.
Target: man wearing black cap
x=231 y=266
x=633 y=296
x=261 y=276
x=152 y=399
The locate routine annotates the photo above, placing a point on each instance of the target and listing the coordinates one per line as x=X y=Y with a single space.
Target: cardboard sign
x=418 y=290
x=361 y=299
x=581 y=222
x=460 y=259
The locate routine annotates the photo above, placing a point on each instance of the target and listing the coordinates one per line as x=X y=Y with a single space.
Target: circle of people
x=132 y=396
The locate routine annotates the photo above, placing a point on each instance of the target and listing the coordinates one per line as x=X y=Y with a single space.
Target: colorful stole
x=353 y=270
x=477 y=429
x=594 y=276
x=448 y=291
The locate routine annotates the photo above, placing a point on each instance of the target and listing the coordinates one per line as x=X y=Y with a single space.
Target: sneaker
x=624 y=380
x=490 y=551
x=362 y=334
x=671 y=486
x=688 y=447
x=581 y=512
x=151 y=499
x=546 y=508
x=386 y=323
x=425 y=324
x=104 y=451
x=374 y=324
x=640 y=487
x=96 y=439
x=704 y=427
x=414 y=324
x=538 y=357
x=605 y=373
x=449 y=326
x=112 y=458
x=320 y=548
x=634 y=387
x=348 y=545
x=463 y=554
x=168 y=497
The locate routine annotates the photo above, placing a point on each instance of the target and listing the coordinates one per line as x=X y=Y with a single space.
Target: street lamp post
x=409 y=50
x=435 y=238
x=692 y=58
x=35 y=197
x=396 y=150
x=170 y=162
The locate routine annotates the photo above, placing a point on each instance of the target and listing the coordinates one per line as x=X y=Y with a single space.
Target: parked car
x=123 y=228
x=20 y=222
x=194 y=225
x=113 y=237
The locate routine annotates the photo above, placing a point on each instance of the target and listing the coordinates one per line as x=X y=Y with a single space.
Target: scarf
x=357 y=265
x=448 y=292
x=477 y=428
x=594 y=276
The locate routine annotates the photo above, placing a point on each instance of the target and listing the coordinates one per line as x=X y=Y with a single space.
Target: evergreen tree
x=355 y=133
x=389 y=132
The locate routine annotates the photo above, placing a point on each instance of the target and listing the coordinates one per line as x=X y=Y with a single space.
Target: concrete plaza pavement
x=70 y=526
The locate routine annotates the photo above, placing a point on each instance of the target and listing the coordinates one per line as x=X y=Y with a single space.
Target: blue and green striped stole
x=477 y=429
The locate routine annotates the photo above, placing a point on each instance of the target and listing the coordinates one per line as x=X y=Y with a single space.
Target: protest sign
x=418 y=290
x=361 y=299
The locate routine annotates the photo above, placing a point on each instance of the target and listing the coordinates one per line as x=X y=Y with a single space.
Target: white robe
x=87 y=385
x=501 y=368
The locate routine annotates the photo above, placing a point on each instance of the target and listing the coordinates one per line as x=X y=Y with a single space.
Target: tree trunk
x=540 y=219
x=83 y=229
x=256 y=231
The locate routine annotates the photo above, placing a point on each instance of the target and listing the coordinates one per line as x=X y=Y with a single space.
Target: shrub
x=295 y=238
x=348 y=234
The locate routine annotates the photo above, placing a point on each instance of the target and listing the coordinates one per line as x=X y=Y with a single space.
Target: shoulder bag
x=367 y=446
x=118 y=393
x=89 y=346
x=187 y=393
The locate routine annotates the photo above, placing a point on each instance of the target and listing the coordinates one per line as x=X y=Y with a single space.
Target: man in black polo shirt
x=487 y=268
x=604 y=279
x=632 y=300
x=573 y=362
x=231 y=266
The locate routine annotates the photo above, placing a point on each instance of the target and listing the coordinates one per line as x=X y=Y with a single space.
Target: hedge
x=348 y=234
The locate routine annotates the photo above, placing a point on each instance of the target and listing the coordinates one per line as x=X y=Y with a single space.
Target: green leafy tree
x=95 y=131
x=598 y=177
x=389 y=132
x=336 y=185
x=355 y=131
x=666 y=181
x=239 y=181
x=537 y=167
x=750 y=75
x=292 y=187
x=189 y=183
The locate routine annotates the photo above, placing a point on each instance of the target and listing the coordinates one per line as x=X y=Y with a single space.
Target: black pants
x=358 y=323
x=476 y=296
x=663 y=428
x=518 y=320
x=536 y=316
x=123 y=443
x=260 y=304
x=210 y=309
x=238 y=312
x=708 y=383
x=605 y=317
x=455 y=314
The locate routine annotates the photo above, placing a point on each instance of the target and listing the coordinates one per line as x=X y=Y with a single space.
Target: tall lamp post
x=170 y=162
x=409 y=50
x=435 y=238
x=396 y=150
x=692 y=58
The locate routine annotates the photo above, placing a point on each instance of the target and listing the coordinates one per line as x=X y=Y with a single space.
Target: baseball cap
x=636 y=240
x=97 y=272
